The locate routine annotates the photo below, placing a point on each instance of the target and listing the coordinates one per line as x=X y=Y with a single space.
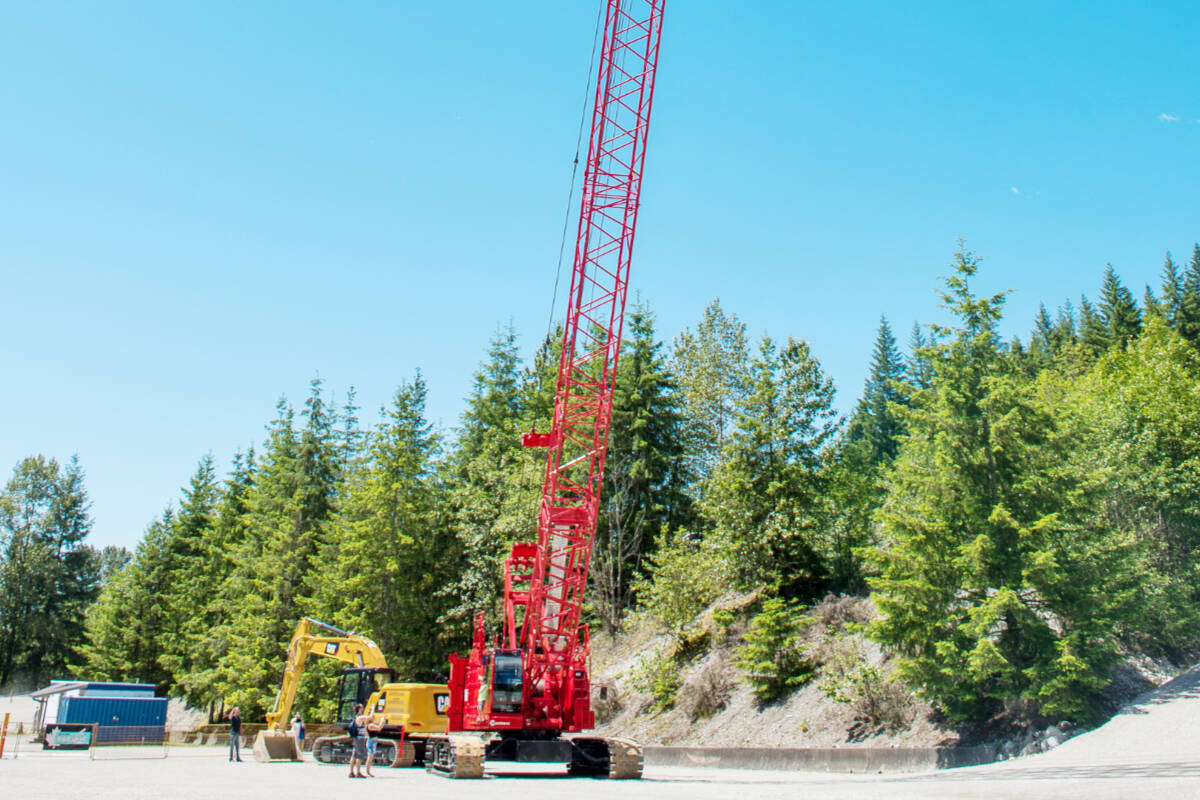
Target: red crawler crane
x=532 y=686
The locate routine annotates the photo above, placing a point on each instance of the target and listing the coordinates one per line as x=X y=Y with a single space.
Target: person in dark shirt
x=235 y=734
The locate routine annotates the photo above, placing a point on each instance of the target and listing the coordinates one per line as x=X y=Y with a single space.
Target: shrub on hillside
x=878 y=700
x=707 y=691
x=772 y=655
x=658 y=676
x=686 y=575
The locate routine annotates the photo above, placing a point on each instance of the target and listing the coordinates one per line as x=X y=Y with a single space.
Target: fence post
x=3 y=734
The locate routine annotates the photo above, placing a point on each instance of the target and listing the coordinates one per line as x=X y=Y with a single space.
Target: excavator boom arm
x=340 y=645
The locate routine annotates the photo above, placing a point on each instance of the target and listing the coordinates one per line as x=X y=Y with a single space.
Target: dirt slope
x=716 y=708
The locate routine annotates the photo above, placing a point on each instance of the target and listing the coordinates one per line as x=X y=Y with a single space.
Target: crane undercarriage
x=462 y=755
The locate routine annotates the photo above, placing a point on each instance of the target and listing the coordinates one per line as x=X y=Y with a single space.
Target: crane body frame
x=543 y=641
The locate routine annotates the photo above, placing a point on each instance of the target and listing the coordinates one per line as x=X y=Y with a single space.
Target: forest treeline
x=1023 y=512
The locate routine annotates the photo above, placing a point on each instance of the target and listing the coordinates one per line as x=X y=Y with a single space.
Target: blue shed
x=118 y=719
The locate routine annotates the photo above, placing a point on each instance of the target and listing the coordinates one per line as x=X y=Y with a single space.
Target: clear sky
x=203 y=205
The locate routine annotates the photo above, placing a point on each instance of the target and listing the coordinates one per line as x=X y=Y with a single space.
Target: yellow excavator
x=410 y=712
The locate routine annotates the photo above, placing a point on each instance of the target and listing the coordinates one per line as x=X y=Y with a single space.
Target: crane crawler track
x=625 y=759
x=455 y=756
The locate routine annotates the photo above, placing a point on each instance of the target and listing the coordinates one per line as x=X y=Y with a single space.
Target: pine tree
x=1137 y=418
x=188 y=573
x=494 y=482
x=767 y=498
x=1042 y=344
x=540 y=381
x=494 y=407
x=391 y=554
x=876 y=419
x=1188 y=323
x=1065 y=333
x=48 y=574
x=1172 y=292
x=643 y=495
x=225 y=542
x=712 y=365
x=1093 y=332
x=918 y=368
x=855 y=467
x=1119 y=313
x=990 y=587
x=290 y=504
x=127 y=625
x=1152 y=305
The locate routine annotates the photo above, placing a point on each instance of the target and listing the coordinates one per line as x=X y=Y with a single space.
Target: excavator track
x=407 y=754
x=455 y=756
x=338 y=749
x=625 y=759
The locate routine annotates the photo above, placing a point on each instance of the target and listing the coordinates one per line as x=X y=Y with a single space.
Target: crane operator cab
x=506 y=680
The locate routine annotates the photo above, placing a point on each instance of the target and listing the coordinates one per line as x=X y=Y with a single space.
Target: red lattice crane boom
x=534 y=685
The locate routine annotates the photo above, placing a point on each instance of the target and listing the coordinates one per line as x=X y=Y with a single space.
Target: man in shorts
x=358 y=737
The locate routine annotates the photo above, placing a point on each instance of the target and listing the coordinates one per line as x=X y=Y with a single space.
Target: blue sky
x=203 y=205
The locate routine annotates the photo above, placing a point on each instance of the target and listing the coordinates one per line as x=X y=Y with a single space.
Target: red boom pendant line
x=545 y=582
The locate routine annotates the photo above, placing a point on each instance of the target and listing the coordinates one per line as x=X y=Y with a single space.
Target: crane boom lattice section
x=578 y=439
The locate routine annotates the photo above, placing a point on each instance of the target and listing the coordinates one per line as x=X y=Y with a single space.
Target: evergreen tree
x=495 y=483
x=1065 y=334
x=48 y=575
x=290 y=504
x=643 y=495
x=1153 y=307
x=918 y=368
x=188 y=569
x=989 y=587
x=113 y=559
x=854 y=468
x=495 y=405
x=1172 y=292
x=1042 y=344
x=712 y=365
x=1118 y=311
x=767 y=497
x=1136 y=415
x=876 y=419
x=127 y=625
x=1188 y=323
x=540 y=381
x=1093 y=332
x=210 y=635
x=391 y=554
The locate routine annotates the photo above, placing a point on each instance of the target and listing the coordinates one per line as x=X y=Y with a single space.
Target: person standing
x=235 y=734
x=358 y=737
x=298 y=735
x=373 y=728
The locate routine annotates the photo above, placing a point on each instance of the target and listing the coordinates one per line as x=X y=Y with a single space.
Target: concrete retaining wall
x=822 y=759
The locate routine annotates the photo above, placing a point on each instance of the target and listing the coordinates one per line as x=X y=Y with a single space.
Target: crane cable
x=587 y=96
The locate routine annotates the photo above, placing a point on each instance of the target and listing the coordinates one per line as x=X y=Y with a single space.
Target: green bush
x=686 y=575
x=877 y=699
x=772 y=655
x=658 y=676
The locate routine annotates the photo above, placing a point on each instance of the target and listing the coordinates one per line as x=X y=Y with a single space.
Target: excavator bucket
x=276 y=746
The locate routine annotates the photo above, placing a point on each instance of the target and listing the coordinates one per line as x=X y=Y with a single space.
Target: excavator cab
x=356 y=686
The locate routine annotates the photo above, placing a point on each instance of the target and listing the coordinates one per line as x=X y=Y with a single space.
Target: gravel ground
x=205 y=773
x=1151 y=749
